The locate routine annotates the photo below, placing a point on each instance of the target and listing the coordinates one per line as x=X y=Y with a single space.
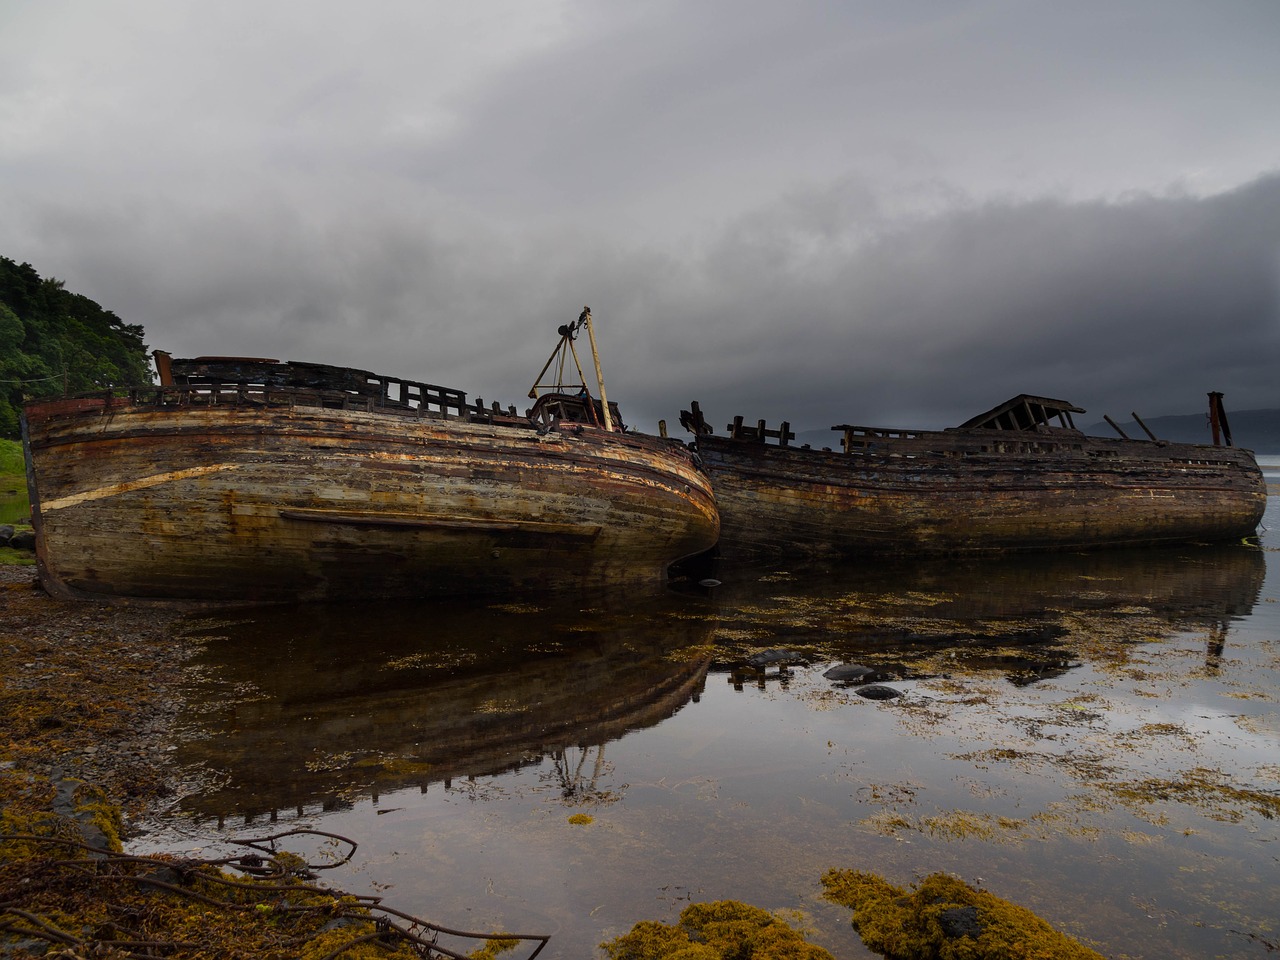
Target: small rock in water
x=766 y=658
x=878 y=691
x=708 y=583
x=849 y=672
x=957 y=922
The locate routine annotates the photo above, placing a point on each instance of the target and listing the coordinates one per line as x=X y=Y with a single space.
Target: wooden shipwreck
x=1019 y=477
x=249 y=479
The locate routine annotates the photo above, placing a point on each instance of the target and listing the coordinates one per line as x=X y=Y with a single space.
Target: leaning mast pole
x=585 y=318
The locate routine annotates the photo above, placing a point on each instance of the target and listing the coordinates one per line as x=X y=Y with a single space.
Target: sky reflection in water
x=1091 y=736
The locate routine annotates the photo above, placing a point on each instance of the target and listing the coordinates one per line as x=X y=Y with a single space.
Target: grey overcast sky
x=896 y=213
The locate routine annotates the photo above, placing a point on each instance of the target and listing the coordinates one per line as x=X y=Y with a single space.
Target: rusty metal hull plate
x=246 y=503
x=978 y=497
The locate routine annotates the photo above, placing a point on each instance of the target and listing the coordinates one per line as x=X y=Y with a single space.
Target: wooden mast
x=585 y=318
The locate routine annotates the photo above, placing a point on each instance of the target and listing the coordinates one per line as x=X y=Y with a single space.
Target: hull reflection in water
x=317 y=705
x=1029 y=616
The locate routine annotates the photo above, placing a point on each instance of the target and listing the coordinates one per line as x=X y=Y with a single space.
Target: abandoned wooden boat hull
x=269 y=494
x=974 y=489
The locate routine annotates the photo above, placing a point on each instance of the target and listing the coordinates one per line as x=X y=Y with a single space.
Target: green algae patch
x=692 y=654
x=965 y=825
x=721 y=930
x=9 y=557
x=27 y=819
x=1208 y=791
x=582 y=819
x=101 y=821
x=494 y=948
x=943 y=918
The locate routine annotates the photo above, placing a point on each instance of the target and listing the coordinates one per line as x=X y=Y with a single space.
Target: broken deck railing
x=428 y=401
x=256 y=380
x=693 y=421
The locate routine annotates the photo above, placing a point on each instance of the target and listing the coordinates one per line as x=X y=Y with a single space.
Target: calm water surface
x=1094 y=737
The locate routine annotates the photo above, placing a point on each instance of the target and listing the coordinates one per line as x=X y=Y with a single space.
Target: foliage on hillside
x=52 y=340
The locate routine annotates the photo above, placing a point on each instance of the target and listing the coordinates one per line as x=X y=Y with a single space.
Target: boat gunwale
x=970 y=442
x=1096 y=452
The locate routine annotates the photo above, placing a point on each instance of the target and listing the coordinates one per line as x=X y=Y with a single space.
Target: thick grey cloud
x=820 y=212
x=1145 y=304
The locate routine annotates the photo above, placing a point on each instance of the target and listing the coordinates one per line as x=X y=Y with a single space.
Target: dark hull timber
x=265 y=491
x=992 y=485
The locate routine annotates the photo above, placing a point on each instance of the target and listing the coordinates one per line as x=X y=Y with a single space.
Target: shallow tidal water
x=1095 y=737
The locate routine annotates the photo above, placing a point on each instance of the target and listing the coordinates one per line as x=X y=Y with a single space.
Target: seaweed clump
x=68 y=889
x=943 y=918
x=61 y=893
x=721 y=930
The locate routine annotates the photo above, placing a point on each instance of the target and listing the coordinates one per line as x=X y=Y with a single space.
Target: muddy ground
x=87 y=690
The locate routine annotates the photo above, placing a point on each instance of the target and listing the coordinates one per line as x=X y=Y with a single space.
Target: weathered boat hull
x=969 y=491
x=253 y=498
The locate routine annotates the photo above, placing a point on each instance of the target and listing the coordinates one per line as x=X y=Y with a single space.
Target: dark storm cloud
x=817 y=309
x=686 y=111
x=1145 y=304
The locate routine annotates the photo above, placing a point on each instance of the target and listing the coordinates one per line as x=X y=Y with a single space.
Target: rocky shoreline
x=17 y=539
x=89 y=690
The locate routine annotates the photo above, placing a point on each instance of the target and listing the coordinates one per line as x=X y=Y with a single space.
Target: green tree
x=13 y=363
x=53 y=340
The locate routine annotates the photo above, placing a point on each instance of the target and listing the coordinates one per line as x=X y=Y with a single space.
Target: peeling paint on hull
x=146 y=498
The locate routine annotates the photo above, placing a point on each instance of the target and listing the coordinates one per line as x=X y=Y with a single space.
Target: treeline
x=54 y=341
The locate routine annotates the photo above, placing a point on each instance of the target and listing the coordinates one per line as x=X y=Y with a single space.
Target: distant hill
x=1257 y=430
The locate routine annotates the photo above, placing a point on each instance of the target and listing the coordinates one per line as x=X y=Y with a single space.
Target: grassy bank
x=15 y=508
x=13 y=482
